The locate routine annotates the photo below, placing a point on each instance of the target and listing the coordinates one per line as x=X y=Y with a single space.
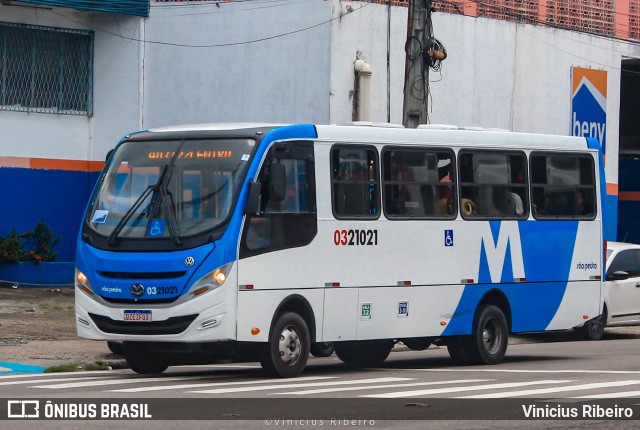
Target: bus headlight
x=82 y=282
x=211 y=280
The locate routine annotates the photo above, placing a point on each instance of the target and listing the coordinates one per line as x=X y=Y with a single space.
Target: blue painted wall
x=56 y=196
x=629 y=210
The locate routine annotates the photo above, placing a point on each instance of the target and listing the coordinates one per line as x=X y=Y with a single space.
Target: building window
x=45 y=69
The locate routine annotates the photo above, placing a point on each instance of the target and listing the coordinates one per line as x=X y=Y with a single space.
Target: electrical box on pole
x=422 y=52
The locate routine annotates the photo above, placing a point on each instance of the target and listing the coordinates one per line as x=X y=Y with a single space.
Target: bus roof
x=435 y=134
x=449 y=135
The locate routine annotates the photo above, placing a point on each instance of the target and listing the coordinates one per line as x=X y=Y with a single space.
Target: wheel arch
x=299 y=305
x=499 y=299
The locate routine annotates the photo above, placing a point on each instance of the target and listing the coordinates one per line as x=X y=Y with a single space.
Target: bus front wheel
x=288 y=348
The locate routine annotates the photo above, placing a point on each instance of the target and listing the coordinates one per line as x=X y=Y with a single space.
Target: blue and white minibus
x=258 y=242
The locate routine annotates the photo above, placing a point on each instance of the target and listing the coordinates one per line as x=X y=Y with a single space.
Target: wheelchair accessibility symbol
x=448 y=238
x=157 y=227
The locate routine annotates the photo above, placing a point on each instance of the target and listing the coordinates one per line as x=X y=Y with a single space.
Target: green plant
x=11 y=250
x=35 y=246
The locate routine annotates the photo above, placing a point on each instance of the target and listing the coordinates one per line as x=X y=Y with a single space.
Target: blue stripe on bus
x=227 y=247
x=534 y=303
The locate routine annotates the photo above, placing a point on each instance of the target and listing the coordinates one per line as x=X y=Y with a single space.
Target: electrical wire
x=214 y=45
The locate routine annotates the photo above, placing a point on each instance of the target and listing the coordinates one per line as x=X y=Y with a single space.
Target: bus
x=265 y=242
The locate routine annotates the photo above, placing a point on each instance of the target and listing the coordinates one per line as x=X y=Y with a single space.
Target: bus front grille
x=173 y=325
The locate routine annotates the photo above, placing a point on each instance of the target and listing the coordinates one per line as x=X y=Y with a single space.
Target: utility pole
x=416 y=71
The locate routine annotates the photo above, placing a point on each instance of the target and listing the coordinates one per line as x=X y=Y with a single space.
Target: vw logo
x=189 y=261
x=137 y=290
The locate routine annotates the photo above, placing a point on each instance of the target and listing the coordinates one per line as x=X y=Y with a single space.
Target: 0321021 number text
x=355 y=237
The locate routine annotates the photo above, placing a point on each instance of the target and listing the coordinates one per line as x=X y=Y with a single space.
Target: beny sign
x=589 y=103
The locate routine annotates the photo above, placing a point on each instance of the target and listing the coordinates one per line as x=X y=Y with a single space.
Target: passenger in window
x=584 y=208
x=508 y=202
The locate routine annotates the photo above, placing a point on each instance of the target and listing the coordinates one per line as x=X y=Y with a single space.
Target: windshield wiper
x=160 y=197
x=118 y=228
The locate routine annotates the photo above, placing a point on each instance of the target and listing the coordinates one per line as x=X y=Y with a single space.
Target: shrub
x=35 y=246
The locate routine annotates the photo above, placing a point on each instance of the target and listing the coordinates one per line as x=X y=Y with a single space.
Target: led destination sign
x=159 y=155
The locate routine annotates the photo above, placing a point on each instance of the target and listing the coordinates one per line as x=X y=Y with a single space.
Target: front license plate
x=142 y=316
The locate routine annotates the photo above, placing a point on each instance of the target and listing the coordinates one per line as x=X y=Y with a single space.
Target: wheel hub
x=289 y=346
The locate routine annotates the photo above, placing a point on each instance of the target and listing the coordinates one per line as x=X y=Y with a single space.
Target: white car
x=621 y=290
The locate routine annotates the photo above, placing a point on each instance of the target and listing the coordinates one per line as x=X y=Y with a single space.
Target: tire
x=490 y=336
x=594 y=328
x=365 y=353
x=288 y=347
x=417 y=343
x=459 y=348
x=115 y=347
x=322 y=349
x=142 y=362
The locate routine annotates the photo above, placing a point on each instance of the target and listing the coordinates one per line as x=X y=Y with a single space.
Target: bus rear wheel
x=490 y=335
x=364 y=352
x=488 y=342
x=142 y=362
x=288 y=348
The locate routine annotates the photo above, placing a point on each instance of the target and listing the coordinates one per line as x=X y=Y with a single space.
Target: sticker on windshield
x=157 y=227
x=245 y=157
x=99 y=217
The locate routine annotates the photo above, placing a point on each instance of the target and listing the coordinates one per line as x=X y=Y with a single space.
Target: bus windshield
x=169 y=189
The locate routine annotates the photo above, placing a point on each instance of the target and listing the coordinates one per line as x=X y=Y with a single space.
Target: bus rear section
x=293 y=238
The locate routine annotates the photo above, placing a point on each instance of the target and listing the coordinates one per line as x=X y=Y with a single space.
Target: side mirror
x=617 y=276
x=277 y=182
x=253 y=202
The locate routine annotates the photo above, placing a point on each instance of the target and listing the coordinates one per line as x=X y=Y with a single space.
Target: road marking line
x=296 y=385
x=553 y=390
x=112 y=382
x=373 y=387
x=459 y=389
x=618 y=395
x=613 y=372
x=37 y=381
x=214 y=384
x=56 y=375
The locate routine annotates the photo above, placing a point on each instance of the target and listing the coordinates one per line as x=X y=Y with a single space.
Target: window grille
x=46 y=69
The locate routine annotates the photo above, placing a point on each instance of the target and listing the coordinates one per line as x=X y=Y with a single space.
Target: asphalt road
x=541 y=377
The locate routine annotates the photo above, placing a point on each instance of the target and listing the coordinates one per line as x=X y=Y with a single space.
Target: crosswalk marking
x=553 y=390
x=209 y=384
x=296 y=385
x=459 y=389
x=55 y=375
x=618 y=395
x=37 y=381
x=113 y=382
x=374 y=387
x=596 y=372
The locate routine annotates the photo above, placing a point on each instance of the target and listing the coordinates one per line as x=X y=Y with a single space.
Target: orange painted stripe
x=52 y=164
x=629 y=196
x=612 y=189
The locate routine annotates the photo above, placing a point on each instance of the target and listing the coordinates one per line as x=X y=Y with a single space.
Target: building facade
x=90 y=76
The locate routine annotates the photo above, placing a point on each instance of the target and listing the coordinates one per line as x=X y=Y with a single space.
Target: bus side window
x=563 y=186
x=417 y=183
x=355 y=181
x=290 y=222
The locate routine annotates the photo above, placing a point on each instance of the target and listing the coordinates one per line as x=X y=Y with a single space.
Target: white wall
x=115 y=94
x=282 y=79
